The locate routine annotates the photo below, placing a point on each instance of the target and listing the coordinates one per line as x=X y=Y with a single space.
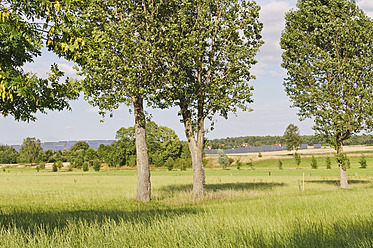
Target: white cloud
x=67 y=69
x=367 y=6
x=68 y=127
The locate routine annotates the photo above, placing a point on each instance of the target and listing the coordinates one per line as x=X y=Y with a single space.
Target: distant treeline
x=234 y=142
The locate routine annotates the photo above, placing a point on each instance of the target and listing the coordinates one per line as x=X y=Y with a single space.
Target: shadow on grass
x=36 y=221
x=223 y=186
x=337 y=182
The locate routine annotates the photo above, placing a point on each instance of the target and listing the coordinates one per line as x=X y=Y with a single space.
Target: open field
x=243 y=208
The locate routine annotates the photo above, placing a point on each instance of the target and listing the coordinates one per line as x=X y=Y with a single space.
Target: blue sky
x=271 y=115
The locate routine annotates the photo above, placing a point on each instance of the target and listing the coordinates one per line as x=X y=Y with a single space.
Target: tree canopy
x=209 y=61
x=23 y=29
x=292 y=137
x=328 y=57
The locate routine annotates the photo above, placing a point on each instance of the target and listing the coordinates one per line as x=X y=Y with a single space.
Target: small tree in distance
x=223 y=159
x=314 y=162
x=297 y=158
x=292 y=137
x=328 y=163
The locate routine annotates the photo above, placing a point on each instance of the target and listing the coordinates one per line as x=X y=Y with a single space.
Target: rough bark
x=342 y=170
x=142 y=159
x=196 y=148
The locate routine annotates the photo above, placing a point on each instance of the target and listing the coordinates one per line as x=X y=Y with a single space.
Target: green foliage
x=223 y=159
x=23 y=27
x=170 y=164
x=59 y=165
x=78 y=161
x=81 y=145
x=238 y=164
x=292 y=137
x=37 y=168
x=280 y=164
x=8 y=155
x=90 y=154
x=328 y=58
x=85 y=166
x=54 y=167
x=298 y=158
x=162 y=142
x=343 y=160
x=260 y=155
x=30 y=151
x=42 y=165
x=96 y=165
x=328 y=163
x=314 y=163
x=251 y=164
x=363 y=162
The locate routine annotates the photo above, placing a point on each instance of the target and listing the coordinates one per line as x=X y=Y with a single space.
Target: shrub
x=37 y=168
x=54 y=167
x=223 y=159
x=59 y=165
x=251 y=164
x=260 y=155
x=280 y=164
x=170 y=164
x=314 y=162
x=85 y=166
x=328 y=163
x=42 y=165
x=363 y=162
x=70 y=167
x=297 y=158
x=96 y=165
x=238 y=164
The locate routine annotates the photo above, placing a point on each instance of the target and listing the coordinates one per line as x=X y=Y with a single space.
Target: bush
x=328 y=163
x=251 y=164
x=297 y=158
x=223 y=159
x=42 y=165
x=280 y=164
x=85 y=166
x=59 y=165
x=260 y=155
x=170 y=164
x=37 y=168
x=70 y=167
x=238 y=164
x=363 y=162
x=96 y=165
x=314 y=162
x=54 y=167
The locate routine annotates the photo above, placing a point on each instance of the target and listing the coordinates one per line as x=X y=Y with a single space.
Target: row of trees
x=195 y=55
x=165 y=148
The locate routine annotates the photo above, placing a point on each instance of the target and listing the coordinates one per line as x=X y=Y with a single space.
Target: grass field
x=242 y=208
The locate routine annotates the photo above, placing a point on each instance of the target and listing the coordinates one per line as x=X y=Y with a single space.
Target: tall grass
x=243 y=208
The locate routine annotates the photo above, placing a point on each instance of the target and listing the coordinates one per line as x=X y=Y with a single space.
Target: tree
x=116 y=44
x=90 y=154
x=223 y=159
x=363 y=162
x=209 y=67
x=8 y=155
x=328 y=56
x=163 y=143
x=298 y=158
x=292 y=137
x=30 y=151
x=80 y=145
x=21 y=38
x=328 y=163
x=314 y=163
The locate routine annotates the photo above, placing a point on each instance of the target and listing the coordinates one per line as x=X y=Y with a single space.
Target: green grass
x=242 y=208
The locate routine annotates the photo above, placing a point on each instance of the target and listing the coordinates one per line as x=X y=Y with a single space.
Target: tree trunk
x=195 y=148
x=142 y=159
x=342 y=170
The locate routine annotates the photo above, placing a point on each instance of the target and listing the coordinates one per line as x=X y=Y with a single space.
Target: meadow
x=260 y=206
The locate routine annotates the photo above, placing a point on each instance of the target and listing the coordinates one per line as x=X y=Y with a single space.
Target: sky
x=271 y=108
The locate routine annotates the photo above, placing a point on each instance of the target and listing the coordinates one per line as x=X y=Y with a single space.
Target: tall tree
x=211 y=56
x=329 y=61
x=30 y=151
x=115 y=43
x=23 y=27
x=292 y=137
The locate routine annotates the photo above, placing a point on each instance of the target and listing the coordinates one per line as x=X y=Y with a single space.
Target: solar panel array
x=303 y=146
x=264 y=148
x=66 y=145
x=317 y=146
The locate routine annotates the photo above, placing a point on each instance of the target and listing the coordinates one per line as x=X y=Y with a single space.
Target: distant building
x=244 y=144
